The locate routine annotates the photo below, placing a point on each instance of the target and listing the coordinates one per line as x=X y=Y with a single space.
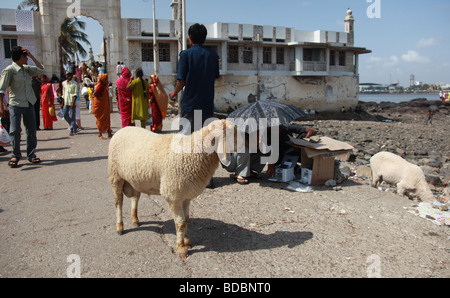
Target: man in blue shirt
x=198 y=69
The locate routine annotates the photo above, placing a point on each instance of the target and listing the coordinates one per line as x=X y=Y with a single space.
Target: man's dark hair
x=198 y=33
x=16 y=53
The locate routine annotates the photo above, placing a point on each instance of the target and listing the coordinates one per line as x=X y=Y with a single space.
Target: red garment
x=156 y=116
x=46 y=97
x=157 y=97
x=125 y=97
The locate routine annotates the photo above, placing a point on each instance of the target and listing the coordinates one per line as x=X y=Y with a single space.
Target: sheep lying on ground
x=175 y=166
x=408 y=178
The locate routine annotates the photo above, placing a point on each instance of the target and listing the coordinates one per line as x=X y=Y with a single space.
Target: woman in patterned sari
x=101 y=106
x=47 y=102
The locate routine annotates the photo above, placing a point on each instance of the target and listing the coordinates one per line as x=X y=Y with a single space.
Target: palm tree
x=69 y=41
x=34 y=4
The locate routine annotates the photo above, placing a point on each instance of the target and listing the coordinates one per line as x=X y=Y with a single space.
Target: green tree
x=72 y=33
x=34 y=4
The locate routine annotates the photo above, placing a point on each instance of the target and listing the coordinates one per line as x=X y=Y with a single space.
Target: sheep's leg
x=376 y=179
x=134 y=195
x=180 y=226
x=186 y=204
x=134 y=211
x=118 y=200
x=401 y=189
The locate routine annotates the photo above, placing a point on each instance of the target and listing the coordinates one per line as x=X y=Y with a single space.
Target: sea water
x=396 y=97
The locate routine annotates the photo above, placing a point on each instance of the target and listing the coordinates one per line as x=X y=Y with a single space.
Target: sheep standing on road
x=408 y=178
x=175 y=166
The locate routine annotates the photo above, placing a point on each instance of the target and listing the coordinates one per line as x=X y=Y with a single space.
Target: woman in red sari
x=125 y=96
x=47 y=102
x=101 y=106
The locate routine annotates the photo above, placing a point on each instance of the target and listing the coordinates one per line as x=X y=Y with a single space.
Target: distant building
x=310 y=69
x=372 y=87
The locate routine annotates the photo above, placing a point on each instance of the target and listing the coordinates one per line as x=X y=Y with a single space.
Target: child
x=429 y=118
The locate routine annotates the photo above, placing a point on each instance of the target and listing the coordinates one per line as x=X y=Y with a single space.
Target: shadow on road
x=214 y=235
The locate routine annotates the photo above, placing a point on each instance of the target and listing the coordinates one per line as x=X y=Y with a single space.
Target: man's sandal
x=34 y=160
x=241 y=180
x=13 y=162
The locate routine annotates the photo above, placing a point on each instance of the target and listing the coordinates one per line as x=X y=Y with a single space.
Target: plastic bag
x=4 y=136
x=296 y=186
x=60 y=114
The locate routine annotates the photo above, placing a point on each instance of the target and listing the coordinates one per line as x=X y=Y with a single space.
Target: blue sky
x=409 y=37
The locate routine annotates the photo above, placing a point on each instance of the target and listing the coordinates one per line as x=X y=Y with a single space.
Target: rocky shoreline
x=396 y=127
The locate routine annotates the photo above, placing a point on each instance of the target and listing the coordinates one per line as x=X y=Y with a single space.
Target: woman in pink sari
x=47 y=101
x=125 y=97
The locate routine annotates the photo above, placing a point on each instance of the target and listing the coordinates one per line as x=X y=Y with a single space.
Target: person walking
x=17 y=79
x=101 y=107
x=78 y=104
x=125 y=96
x=198 y=69
x=69 y=94
x=429 y=118
x=119 y=69
x=139 y=109
x=47 y=102
x=36 y=85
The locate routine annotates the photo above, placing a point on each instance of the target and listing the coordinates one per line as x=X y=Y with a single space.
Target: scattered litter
x=297 y=186
x=439 y=205
x=433 y=212
x=289 y=210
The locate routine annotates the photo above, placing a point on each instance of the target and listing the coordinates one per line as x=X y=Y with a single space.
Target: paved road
x=57 y=219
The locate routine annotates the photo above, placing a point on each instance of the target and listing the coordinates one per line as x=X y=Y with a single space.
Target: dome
x=349 y=14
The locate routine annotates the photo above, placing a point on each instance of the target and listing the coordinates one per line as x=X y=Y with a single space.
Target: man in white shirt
x=70 y=94
x=119 y=69
x=17 y=79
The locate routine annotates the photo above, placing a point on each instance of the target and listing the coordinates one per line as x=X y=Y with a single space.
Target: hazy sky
x=406 y=36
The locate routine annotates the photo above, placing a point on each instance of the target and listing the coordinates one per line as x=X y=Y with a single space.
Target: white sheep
x=174 y=166
x=408 y=178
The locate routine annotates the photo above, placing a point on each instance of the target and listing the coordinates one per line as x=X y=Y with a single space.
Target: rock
x=330 y=183
x=434 y=163
x=400 y=152
x=433 y=179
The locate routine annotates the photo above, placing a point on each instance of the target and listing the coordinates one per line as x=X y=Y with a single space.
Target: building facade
x=309 y=69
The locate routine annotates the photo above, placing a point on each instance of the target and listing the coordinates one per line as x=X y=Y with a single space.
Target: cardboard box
x=319 y=157
x=285 y=171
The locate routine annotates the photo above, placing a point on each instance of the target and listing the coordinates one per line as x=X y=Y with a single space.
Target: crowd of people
x=27 y=93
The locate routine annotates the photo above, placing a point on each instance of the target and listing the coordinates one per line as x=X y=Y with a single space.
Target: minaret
x=174 y=6
x=349 y=28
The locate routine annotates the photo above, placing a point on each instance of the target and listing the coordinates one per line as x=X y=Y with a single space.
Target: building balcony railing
x=314 y=66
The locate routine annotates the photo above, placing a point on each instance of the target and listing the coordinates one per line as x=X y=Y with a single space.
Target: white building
x=310 y=69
